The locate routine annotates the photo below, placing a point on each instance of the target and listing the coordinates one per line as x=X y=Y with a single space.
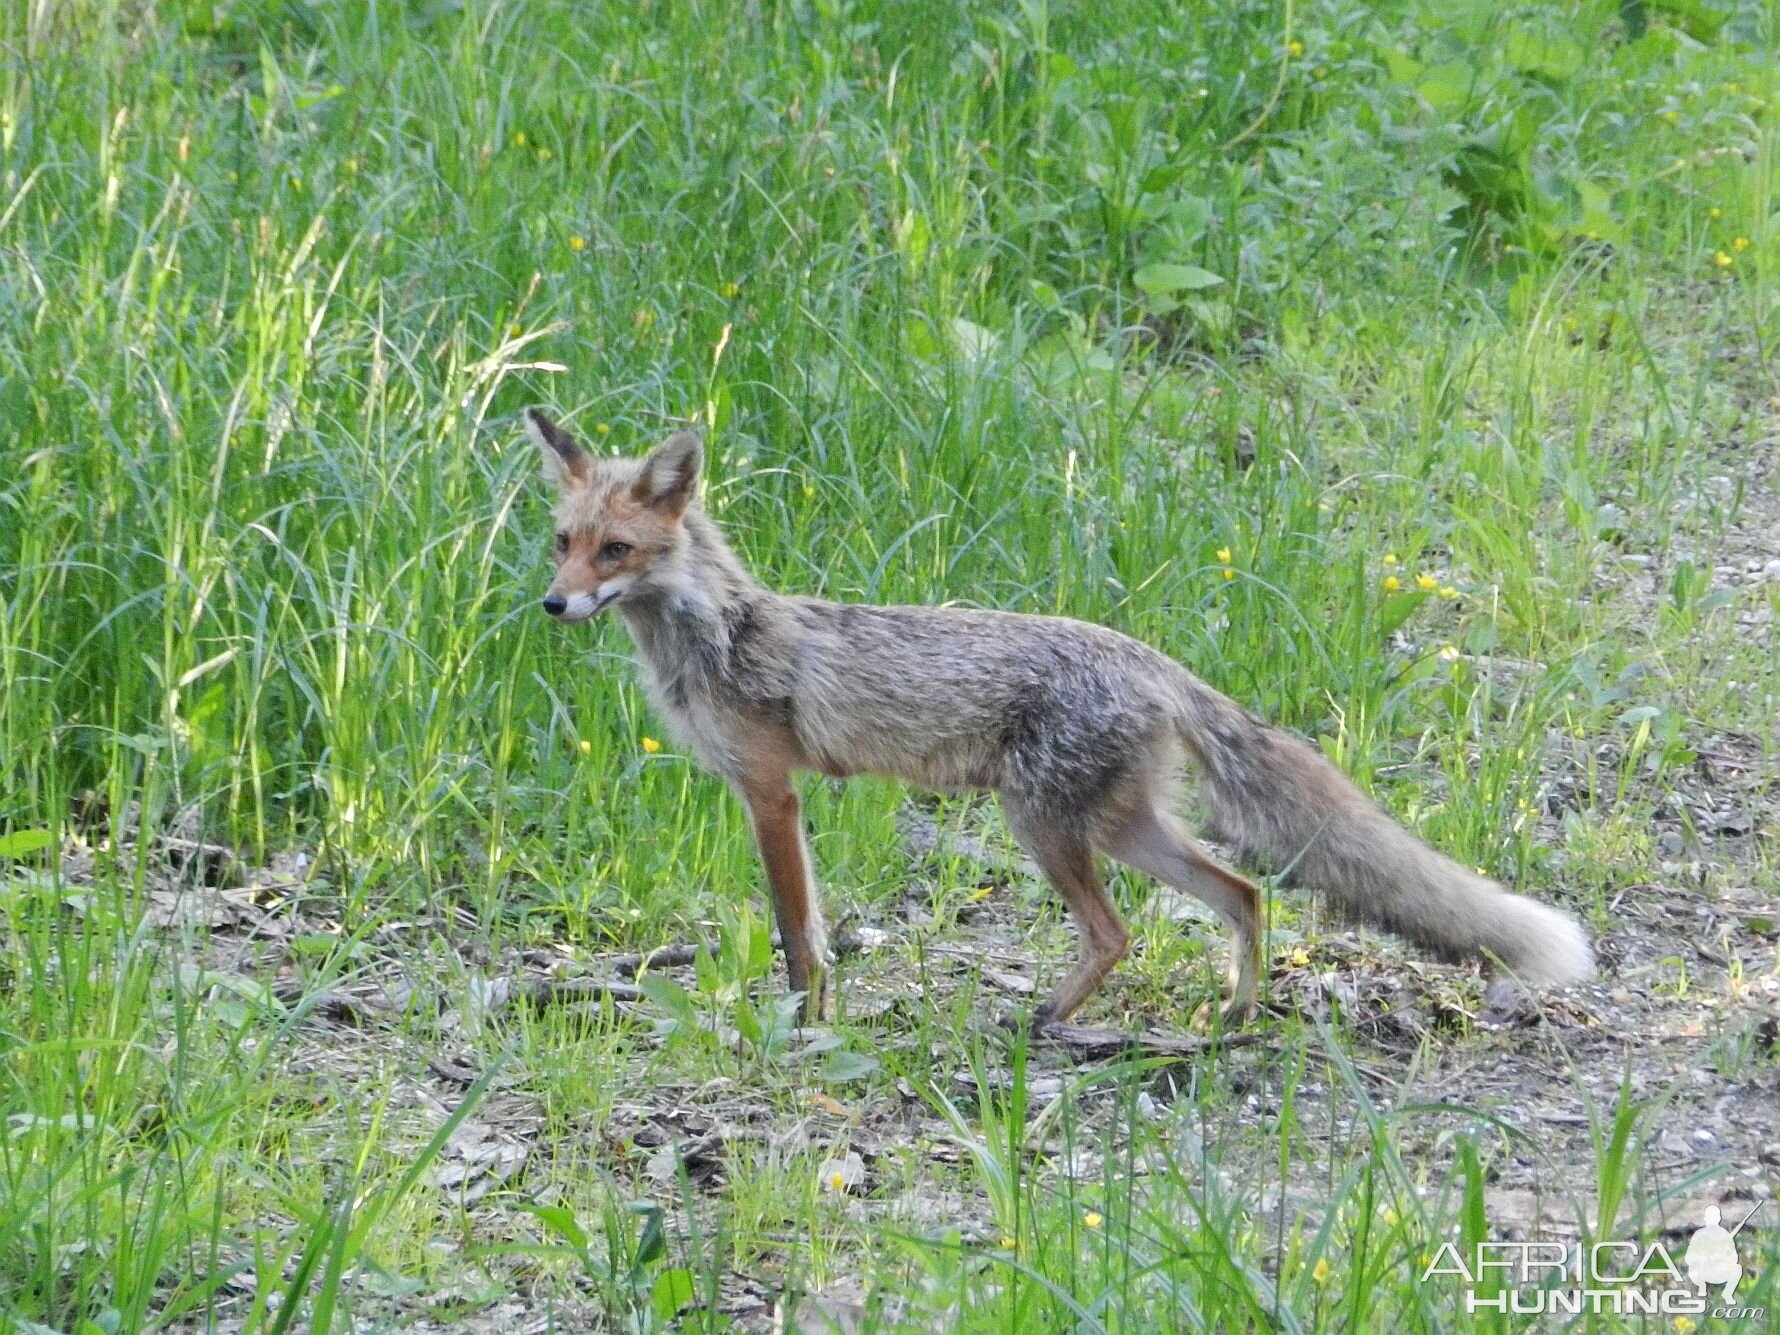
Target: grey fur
x=1284 y=805
x=1080 y=731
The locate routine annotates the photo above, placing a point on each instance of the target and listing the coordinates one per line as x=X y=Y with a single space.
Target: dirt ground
x=1684 y=1011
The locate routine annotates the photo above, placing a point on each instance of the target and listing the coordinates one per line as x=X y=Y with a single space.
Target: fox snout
x=571 y=607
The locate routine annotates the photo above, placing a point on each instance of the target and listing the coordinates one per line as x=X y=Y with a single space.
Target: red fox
x=1079 y=730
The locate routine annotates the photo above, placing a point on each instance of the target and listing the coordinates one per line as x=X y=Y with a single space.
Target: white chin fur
x=584 y=605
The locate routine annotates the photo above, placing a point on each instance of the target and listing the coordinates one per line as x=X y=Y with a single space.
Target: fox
x=1083 y=734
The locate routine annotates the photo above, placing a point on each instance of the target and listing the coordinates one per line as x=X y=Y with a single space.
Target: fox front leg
x=775 y=814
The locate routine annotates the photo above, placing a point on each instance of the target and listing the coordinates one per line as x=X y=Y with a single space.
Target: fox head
x=619 y=535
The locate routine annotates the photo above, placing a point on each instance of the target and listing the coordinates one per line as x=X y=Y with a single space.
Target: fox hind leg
x=1155 y=842
x=1066 y=857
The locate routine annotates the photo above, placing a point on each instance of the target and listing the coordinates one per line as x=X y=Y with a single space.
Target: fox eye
x=562 y=543
x=615 y=551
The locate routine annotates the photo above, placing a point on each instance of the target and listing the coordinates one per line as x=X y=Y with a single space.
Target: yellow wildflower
x=1390 y=558
x=602 y=428
x=1741 y=243
x=837 y=1181
x=1295 y=47
x=519 y=139
x=1093 y=1219
x=1448 y=652
x=1449 y=593
x=1426 y=583
x=651 y=745
x=1321 y=1273
x=1684 y=1324
x=1715 y=212
x=1224 y=555
x=1008 y=1244
x=577 y=243
x=1722 y=260
x=729 y=290
x=586 y=747
x=1392 y=583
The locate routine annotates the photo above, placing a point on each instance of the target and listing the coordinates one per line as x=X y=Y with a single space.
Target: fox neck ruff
x=686 y=623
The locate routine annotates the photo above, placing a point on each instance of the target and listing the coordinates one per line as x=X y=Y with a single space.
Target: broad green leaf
x=1161 y=279
x=669 y=995
x=1398 y=608
x=652 y=1240
x=1448 y=86
x=673 y=1289
x=846 y=1065
x=1549 y=55
x=21 y=843
x=704 y=969
x=1402 y=68
x=561 y=1221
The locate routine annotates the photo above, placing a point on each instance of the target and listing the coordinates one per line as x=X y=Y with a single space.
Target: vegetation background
x=1407 y=369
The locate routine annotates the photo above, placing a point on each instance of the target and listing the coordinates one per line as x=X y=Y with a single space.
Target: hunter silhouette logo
x=1607 y=1276
x=1712 y=1254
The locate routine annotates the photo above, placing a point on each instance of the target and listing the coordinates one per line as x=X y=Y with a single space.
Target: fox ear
x=670 y=473
x=565 y=463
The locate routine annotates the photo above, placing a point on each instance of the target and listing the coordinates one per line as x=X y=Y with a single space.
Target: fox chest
x=724 y=731
x=691 y=718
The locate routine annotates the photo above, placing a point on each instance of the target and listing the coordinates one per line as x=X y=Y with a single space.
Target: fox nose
x=555 y=604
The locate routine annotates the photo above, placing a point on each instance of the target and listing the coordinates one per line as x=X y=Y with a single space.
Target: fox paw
x=1034 y=1024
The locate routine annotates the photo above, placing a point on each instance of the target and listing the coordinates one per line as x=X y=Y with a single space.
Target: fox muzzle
x=581 y=606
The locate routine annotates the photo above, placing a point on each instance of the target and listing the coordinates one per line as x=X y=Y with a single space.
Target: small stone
x=1673 y=1142
x=1669 y=844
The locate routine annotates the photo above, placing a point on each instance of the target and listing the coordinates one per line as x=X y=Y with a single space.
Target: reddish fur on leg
x=776 y=817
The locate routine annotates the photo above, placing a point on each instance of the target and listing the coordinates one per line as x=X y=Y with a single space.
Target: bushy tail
x=1282 y=804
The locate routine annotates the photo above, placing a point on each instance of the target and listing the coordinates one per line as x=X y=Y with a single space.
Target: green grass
x=1036 y=306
